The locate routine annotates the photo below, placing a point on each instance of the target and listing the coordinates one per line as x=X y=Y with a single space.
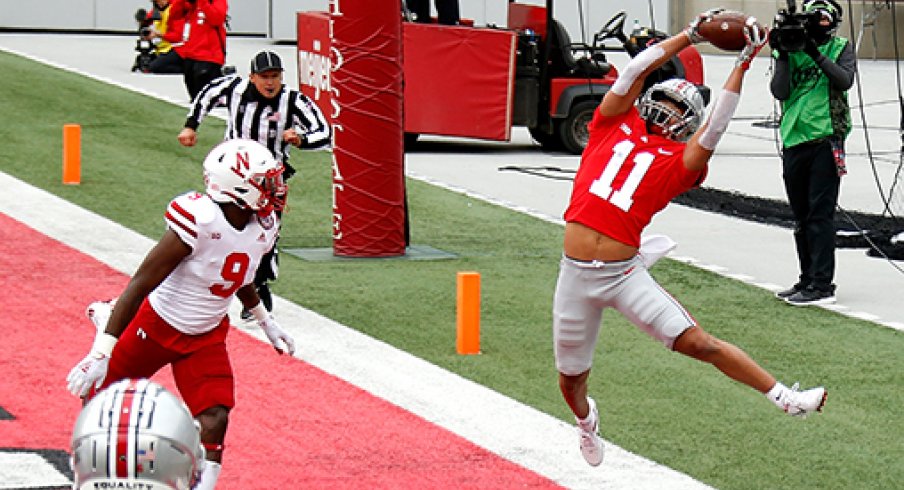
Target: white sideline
x=504 y=426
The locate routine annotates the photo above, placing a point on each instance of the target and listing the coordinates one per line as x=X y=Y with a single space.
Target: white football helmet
x=676 y=125
x=136 y=432
x=244 y=172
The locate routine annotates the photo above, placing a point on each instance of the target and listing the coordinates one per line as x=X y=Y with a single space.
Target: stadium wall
x=276 y=18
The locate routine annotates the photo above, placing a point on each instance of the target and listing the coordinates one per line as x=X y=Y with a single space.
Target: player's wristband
x=104 y=343
x=260 y=313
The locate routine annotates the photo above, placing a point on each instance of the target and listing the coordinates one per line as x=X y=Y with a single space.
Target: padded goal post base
x=356 y=78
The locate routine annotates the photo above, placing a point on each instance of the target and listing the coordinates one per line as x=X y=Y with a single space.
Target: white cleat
x=99 y=313
x=802 y=403
x=591 y=442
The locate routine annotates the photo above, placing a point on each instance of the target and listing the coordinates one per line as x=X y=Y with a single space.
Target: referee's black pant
x=812 y=183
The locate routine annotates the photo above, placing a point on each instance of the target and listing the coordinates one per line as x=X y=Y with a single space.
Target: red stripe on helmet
x=122 y=431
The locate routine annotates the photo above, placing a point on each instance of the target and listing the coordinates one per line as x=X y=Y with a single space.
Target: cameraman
x=811 y=81
x=166 y=36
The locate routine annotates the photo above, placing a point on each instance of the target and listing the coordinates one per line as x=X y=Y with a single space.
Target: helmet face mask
x=135 y=431
x=244 y=173
x=673 y=108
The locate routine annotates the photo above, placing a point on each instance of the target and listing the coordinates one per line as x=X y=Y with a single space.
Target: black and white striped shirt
x=251 y=116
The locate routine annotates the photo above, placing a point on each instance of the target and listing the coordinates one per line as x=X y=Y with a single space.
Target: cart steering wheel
x=613 y=28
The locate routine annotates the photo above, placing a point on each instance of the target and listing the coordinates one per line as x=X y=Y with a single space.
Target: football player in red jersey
x=174 y=309
x=640 y=156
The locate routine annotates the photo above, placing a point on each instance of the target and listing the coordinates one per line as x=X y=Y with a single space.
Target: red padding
x=459 y=81
x=368 y=176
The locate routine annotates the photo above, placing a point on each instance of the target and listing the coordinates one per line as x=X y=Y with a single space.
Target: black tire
x=409 y=140
x=573 y=132
x=549 y=142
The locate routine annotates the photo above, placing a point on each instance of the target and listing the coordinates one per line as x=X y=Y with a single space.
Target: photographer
x=165 y=35
x=204 y=37
x=813 y=71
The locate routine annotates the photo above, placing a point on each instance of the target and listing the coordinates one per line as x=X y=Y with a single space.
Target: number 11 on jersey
x=623 y=197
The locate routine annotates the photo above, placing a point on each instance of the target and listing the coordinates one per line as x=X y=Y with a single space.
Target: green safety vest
x=814 y=109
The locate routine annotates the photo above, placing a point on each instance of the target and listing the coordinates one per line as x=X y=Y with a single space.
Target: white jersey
x=195 y=297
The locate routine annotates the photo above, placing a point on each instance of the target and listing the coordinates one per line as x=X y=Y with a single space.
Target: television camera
x=792 y=29
x=144 y=46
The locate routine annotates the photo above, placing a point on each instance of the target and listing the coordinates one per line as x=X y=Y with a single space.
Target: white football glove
x=691 y=31
x=281 y=340
x=92 y=370
x=755 y=37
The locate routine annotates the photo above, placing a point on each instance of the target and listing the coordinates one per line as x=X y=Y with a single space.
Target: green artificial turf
x=664 y=406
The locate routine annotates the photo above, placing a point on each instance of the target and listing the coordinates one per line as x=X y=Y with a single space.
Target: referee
x=261 y=108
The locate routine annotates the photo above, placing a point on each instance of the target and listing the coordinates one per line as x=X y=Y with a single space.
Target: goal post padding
x=350 y=63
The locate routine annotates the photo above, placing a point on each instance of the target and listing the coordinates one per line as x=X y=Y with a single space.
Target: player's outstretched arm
x=701 y=146
x=629 y=84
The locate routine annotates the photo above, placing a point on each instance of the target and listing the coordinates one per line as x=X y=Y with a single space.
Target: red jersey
x=626 y=176
x=203 y=29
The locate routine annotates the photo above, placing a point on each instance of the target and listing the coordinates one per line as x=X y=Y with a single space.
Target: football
x=725 y=30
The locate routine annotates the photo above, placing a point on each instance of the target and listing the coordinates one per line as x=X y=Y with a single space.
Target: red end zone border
x=294 y=425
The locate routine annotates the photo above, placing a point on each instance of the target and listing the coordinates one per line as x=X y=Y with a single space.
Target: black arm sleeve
x=780 y=86
x=841 y=72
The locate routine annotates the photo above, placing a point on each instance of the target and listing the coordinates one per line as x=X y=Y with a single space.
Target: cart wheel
x=573 y=132
x=549 y=142
x=409 y=140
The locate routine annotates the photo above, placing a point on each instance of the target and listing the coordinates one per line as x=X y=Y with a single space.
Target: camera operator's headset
x=830 y=7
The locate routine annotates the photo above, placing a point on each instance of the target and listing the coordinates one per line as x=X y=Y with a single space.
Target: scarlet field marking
x=294 y=425
x=298 y=404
